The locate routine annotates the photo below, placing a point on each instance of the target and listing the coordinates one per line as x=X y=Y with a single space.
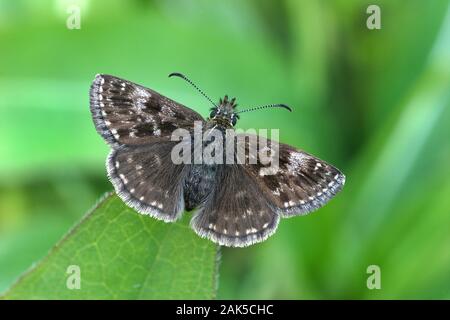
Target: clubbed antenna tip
x=278 y=105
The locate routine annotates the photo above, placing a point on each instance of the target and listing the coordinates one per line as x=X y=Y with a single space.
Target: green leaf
x=124 y=255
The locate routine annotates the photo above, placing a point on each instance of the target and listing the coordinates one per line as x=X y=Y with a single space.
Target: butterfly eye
x=213 y=113
x=233 y=119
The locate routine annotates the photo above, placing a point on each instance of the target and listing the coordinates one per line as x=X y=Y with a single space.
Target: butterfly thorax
x=220 y=123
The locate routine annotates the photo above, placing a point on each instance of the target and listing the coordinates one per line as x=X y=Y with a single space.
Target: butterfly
x=237 y=204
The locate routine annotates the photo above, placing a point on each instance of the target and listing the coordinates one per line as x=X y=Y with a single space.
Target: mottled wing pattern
x=147 y=180
x=126 y=113
x=236 y=213
x=301 y=183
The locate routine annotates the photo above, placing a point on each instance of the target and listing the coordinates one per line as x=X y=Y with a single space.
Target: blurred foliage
x=373 y=102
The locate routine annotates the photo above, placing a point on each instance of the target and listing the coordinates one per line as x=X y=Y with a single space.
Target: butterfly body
x=234 y=204
x=202 y=177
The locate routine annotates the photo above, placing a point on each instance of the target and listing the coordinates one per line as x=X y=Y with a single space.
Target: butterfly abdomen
x=199 y=184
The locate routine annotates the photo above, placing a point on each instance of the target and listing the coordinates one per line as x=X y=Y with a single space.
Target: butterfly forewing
x=299 y=184
x=130 y=114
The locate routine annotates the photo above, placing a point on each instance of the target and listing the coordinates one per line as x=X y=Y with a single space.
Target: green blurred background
x=375 y=103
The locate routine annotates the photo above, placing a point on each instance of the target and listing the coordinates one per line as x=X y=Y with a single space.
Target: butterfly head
x=224 y=113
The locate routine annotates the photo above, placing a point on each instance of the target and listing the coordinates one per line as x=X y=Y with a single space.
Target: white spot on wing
x=115 y=134
x=268 y=171
x=125 y=181
x=296 y=160
x=167 y=110
x=142 y=93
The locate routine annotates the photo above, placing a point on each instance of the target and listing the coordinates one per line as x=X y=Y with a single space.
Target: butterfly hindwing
x=126 y=113
x=147 y=180
x=235 y=213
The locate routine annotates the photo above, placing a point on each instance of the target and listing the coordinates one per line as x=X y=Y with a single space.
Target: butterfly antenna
x=182 y=76
x=278 y=105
